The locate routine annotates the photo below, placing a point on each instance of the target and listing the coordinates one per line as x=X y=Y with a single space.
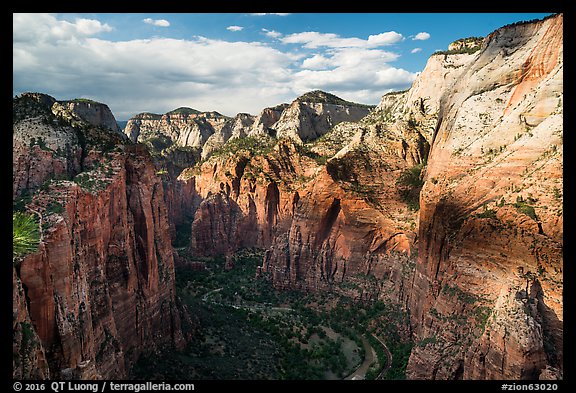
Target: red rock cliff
x=100 y=288
x=486 y=300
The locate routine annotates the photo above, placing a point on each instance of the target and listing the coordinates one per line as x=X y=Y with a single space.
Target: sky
x=231 y=63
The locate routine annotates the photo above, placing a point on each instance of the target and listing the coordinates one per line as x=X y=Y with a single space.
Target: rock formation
x=100 y=288
x=487 y=293
x=445 y=199
x=479 y=267
x=308 y=117
x=315 y=113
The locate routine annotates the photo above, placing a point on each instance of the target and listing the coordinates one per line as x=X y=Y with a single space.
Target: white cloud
x=416 y=50
x=349 y=57
x=160 y=74
x=314 y=39
x=156 y=22
x=229 y=77
x=317 y=62
x=353 y=73
x=263 y=14
x=423 y=36
x=235 y=28
x=45 y=27
x=388 y=38
x=272 y=33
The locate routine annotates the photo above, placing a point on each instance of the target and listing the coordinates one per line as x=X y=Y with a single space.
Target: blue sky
x=231 y=63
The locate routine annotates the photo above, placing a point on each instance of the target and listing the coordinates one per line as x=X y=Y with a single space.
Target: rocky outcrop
x=43 y=148
x=243 y=198
x=308 y=117
x=466 y=44
x=315 y=113
x=266 y=119
x=28 y=357
x=350 y=229
x=486 y=301
x=100 y=288
x=184 y=128
x=92 y=112
x=484 y=292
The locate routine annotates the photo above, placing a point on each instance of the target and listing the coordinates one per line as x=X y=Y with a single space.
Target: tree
x=25 y=234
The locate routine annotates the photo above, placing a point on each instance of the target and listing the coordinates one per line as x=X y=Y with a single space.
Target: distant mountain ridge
x=309 y=116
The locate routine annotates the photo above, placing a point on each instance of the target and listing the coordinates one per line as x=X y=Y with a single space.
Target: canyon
x=444 y=201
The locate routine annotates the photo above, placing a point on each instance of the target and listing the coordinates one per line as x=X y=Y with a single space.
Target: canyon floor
x=249 y=330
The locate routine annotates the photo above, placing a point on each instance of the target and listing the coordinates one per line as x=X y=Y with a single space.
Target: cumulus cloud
x=416 y=50
x=235 y=28
x=314 y=39
x=156 y=22
x=423 y=36
x=69 y=60
x=263 y=14
x=45 y=27
x=355 y=73
x=388 y=38
x=272 y=33
x=157 y=74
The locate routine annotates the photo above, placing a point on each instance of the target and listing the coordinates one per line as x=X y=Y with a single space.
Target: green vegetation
x=477 y=41
x=523 y=22
x=184 y=111
x=158 y=142
x=557 y=193
x=306 y=150
x=245 y=329
x=318 y=96
x=412 y=123
x=457 y=51
x=391 y=93
x=410 y=184
x=183 y=233
x=254 y=145
x=20 y=203
x=54 y=208
x=464 y=297
x=428 y=340
x=85 y=101
x=25 y=234
x=39 y=142
x=90 y=181
x=487 y=213
x=525 y=207
x=149 y=115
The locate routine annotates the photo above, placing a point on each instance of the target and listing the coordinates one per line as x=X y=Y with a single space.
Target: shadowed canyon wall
x=100 y=288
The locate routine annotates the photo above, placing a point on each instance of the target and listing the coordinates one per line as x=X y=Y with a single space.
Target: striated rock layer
x=308 y=117
x=100 y=288
x=486 y=300
x=479 y=268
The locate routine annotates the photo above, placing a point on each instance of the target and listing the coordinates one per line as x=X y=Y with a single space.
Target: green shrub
x=489 y=213
x=410 y=184
x=256 y=146
x=25 y=234
x=525 y=208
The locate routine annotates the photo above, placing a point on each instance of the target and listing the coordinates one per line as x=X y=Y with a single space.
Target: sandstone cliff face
x=43 y=148
x=308 y=117
x=100 y=288
x=242 y=199
x=266 y=119
x=28 y=357
x=487 y=293
x=94 y=113
x=350 y=229
x=314 y=114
